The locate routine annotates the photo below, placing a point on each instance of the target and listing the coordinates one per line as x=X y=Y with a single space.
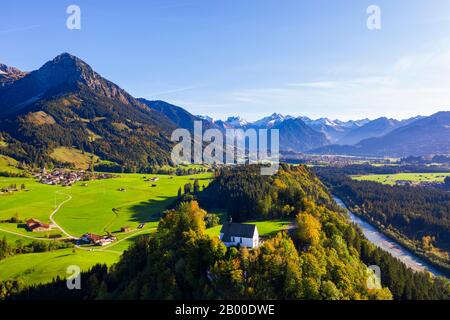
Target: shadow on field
x=151 y=210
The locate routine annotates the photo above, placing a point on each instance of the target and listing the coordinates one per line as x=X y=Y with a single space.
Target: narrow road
x=130 y=236
x=69 y=197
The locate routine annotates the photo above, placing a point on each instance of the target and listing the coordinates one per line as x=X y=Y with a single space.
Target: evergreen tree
x=196 y=187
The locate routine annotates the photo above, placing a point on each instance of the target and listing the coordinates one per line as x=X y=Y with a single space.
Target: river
x=395 y=249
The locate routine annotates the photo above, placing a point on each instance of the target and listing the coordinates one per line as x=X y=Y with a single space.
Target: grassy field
x=36 y=201
x=8 y=164
x=97 y=208
x=12 y=238
x=74 y=156
x=101 y=206
x=42 y=267
x=3 y=143
x=265 y=228
x=414 y=177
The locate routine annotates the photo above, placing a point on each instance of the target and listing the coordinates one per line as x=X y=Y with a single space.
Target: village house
x=234 y=234
x=90 y=238
x=105 y=240
x=34 y=225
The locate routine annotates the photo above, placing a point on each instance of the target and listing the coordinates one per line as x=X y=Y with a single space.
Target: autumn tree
x=308 y=228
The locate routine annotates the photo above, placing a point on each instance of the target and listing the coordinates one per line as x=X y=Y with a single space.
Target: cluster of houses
x=35 y=225
x=90 y=238
x=68 y=177
x=332 y=160
x=94 y=239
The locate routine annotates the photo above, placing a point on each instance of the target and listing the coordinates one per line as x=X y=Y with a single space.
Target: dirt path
x=69 y=197
x=25 y=236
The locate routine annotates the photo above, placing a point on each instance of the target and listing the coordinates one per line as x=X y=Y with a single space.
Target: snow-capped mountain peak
x=236 y=122
x=271 y=120
x=206 y=118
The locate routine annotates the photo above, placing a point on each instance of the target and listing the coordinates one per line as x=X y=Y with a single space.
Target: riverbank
x=383 y=241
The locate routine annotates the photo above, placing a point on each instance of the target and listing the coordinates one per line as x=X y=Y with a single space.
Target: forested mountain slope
x=67 y=104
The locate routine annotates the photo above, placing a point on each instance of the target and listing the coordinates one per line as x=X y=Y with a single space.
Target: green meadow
x=8 y=164
x=36 y=268
x=36 y=201
x=391 y=179
x=95 y=206
x=100 y=206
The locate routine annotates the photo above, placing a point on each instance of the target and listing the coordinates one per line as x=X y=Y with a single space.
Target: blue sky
x=250 y=57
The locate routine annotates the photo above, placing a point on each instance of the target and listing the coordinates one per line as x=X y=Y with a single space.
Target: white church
x=234 y=234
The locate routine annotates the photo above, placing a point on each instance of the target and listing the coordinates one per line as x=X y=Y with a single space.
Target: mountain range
x=9 y=74
x=425 y=136
x=378 y=137
x=65 y=103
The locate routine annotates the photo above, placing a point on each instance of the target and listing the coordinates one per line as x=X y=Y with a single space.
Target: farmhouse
x=36 y=226
x=234 y=234
x=90 y=238
x=105 y=240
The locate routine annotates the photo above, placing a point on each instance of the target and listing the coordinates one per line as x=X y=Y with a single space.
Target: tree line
x=7 y=249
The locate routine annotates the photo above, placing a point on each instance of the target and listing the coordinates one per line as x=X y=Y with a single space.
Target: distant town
x=68 y=177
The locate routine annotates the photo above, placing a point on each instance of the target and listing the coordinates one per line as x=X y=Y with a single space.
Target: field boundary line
x=26 y=236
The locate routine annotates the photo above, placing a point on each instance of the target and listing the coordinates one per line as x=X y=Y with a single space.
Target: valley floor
x=97 y=207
